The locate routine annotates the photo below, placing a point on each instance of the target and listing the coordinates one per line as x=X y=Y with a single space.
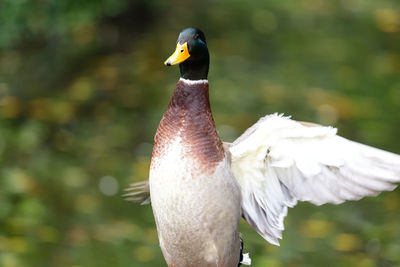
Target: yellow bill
x=181 y=54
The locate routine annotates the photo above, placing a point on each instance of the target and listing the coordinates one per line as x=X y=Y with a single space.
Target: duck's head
x=191 y=54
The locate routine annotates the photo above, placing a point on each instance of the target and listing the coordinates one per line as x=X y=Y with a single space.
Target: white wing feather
x=279 y=161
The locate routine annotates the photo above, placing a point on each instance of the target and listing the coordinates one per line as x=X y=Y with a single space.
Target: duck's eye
x=196 y=37
x=181 y=50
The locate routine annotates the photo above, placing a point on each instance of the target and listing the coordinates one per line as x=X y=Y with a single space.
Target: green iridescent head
x=191 y=54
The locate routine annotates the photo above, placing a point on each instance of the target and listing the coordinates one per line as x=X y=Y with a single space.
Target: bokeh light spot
x=17 y=244
x=63 y=111
x=18 y=181
x=9 y=260
x=81 y=89
x=108 y=185
x=75 y=177
x=316 y=228
x=387 y=20
x=346 y=242
x=10 y=106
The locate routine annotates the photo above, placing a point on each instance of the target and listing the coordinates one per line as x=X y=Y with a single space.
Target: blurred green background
x=83 y=87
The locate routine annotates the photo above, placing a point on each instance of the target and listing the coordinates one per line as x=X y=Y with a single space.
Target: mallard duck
x=200 y=187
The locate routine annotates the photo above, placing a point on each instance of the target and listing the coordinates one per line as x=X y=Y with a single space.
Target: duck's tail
x=138 y=192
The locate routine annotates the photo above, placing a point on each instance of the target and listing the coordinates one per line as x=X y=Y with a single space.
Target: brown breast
x=189 y=117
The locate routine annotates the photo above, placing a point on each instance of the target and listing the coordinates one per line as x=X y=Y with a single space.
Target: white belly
x=197 y=215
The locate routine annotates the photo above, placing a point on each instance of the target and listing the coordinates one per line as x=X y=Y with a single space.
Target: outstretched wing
x=279 y=161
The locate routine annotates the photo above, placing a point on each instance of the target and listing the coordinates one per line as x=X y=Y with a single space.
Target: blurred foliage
x=82 y=88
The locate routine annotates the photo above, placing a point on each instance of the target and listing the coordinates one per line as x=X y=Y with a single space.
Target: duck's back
x=195 y=199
